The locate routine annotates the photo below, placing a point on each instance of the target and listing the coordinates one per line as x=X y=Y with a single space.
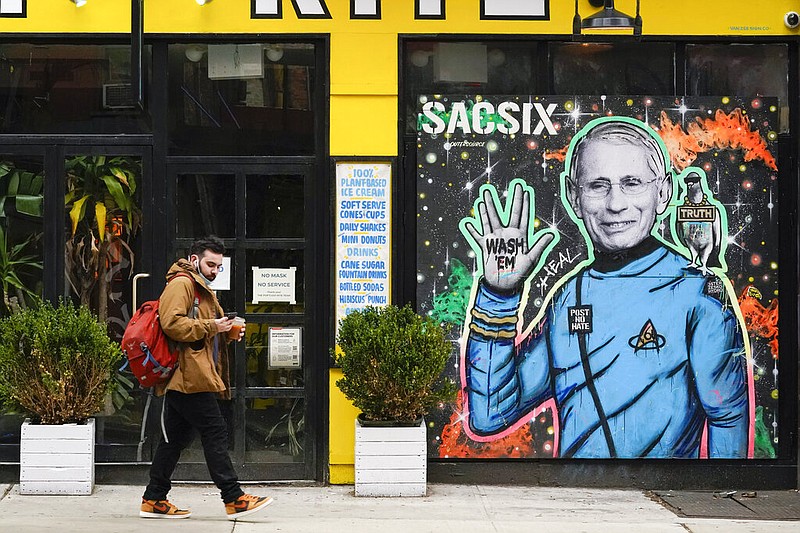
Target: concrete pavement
x=301 y=509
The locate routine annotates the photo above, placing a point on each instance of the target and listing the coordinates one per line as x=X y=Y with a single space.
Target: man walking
x=190 y=314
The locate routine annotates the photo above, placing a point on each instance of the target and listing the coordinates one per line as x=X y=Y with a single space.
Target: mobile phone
x=231 y=315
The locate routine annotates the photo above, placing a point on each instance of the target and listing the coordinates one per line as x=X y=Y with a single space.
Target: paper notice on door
x=285 y=347
x=274 y=285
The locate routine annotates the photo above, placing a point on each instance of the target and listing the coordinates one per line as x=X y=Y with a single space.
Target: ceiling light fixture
x=79 y=3
x=274 y=52
x=607 y=18
x=194 y=52
x=203 y=2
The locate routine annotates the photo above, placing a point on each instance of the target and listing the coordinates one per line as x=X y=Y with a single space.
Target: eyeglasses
x=630 y=186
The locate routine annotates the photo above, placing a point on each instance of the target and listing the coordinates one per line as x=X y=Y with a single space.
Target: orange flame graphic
x=456 y=443
x=760 y=321
x=724 y=131
x=559 y=154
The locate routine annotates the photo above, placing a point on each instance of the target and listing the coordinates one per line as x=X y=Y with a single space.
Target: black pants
x=184 y=413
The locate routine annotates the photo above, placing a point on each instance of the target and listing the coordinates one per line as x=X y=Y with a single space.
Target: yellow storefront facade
x=326 y=83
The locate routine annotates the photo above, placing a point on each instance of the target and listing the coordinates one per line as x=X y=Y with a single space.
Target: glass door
x=107 y=219
x=261 y=213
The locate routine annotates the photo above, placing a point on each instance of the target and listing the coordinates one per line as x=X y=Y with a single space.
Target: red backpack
x=152 y=356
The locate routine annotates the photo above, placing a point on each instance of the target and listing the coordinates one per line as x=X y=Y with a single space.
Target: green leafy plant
x=21 y=204
x=22 y=188
x=293 y=422
x=14 y=264
x=104 y=215
x=392 y=361
x=56 y=362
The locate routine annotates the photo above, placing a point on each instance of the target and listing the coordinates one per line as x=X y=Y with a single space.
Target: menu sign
x=363 y=235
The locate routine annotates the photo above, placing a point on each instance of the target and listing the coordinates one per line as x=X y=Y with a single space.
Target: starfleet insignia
x=648 y=338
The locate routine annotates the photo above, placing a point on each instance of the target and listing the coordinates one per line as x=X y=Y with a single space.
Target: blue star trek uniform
x=665 y=354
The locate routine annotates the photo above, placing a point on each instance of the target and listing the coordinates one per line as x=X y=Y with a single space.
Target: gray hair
x=623 y=132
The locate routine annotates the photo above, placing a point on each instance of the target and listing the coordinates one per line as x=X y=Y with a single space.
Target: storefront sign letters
x=12 y=8
x=423 y=9
x=483 y=118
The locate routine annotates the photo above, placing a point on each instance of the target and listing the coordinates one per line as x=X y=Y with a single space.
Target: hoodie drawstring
x=163 y=427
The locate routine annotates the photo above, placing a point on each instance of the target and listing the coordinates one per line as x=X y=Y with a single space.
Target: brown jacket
x=197 y=371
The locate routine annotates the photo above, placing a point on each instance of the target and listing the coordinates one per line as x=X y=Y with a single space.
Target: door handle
x=136 y=278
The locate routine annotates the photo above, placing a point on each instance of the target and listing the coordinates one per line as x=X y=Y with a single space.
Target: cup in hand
x=236 y=328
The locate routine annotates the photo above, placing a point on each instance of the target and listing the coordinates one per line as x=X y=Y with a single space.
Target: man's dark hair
x=211 y=243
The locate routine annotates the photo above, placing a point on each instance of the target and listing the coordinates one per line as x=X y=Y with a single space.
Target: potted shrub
x=56 y=366
x=392 y=361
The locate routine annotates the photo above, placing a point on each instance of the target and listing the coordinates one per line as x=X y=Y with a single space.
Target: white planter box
x=56 y=459
x=391 y=461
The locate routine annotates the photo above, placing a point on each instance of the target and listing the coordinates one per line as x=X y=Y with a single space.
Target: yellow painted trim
x=105 y=16
x=364 y=63
x=363 y=125
x=343 y=475
x=677 y=17
x=342 y=432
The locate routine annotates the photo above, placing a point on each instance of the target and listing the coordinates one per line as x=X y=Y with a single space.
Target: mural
x=607 y=268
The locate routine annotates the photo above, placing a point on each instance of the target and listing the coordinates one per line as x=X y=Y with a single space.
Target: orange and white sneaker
x=245 y=505
x=162 y=509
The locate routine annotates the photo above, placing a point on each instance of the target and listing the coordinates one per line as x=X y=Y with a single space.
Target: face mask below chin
x=196 y=265
x=205 y=279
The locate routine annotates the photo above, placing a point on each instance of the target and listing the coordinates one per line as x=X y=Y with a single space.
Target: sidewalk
x=447 y=508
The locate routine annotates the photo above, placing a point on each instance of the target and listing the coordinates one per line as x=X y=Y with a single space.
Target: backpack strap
x=196 y=304
x=193 y=312
x=196 y=310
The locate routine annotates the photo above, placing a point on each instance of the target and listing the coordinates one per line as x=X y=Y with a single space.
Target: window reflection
x=740 y=70
x=241 y=99
x=620 y=68
x=66 y=88
x=206 y=205
x=467 y=67
x=275 y=430
x=275 y=206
